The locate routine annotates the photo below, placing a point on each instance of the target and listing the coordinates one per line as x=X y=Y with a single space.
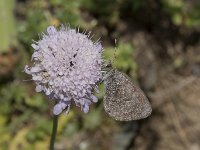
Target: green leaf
x=7 y=25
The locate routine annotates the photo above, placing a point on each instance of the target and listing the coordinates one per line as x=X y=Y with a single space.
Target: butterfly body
x=123 y=100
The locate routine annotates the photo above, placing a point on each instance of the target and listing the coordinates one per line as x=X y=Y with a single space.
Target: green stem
x=54 y=131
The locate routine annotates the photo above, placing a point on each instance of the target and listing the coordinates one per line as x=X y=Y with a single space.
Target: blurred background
x=158 y=46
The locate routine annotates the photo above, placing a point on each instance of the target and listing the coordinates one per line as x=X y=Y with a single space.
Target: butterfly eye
x=108 y=65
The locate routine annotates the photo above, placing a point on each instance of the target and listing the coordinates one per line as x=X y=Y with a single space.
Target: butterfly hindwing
x=123 y=100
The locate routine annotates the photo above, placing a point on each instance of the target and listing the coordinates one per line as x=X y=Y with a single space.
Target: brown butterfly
x=123 y=100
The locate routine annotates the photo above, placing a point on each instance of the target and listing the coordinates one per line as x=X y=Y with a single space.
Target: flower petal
x=58 y=108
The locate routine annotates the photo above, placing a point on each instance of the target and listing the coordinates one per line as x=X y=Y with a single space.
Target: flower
x=66 y=66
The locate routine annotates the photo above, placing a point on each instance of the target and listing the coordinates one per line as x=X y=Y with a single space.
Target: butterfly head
x=109 y=71
x=107 y=67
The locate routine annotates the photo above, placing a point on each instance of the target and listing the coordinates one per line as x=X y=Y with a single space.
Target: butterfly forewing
x=123 y=100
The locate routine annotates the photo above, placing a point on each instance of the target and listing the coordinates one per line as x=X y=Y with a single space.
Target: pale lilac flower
x=66 y=66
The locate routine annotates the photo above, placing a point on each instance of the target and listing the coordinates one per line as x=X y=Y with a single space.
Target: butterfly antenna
x=114 y=55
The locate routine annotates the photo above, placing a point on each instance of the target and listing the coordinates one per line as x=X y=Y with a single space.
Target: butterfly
x=123 y=100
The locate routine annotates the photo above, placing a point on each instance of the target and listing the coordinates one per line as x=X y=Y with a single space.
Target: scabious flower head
x=66 y=66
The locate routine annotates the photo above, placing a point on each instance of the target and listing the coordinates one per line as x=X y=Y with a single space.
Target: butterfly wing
x=123 y=100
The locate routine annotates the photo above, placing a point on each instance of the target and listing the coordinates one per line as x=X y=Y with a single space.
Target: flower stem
x=54 y=131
